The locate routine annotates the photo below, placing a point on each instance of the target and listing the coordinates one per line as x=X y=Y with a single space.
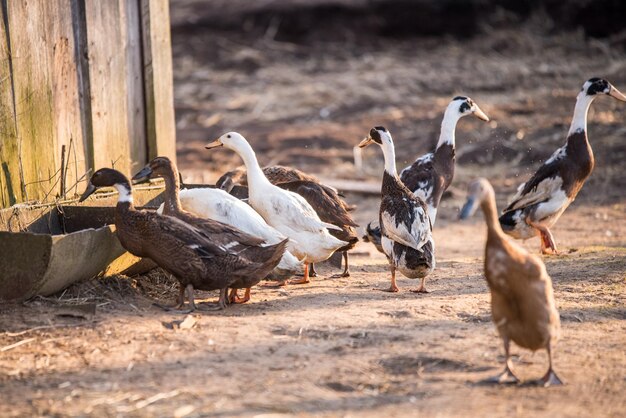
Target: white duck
x=286 y=211
x=218 y=205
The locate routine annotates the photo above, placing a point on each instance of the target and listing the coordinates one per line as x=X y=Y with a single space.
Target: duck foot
x=390 y=289
x=505 y=378
x=420 y=289
x=221 y=303
x=274 y=285
x=303 y=280
x=549 y=379
x=338 y=276
x=234 y=297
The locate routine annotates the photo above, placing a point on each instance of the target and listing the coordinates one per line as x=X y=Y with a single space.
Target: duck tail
x=508 y=220
x=373 y=235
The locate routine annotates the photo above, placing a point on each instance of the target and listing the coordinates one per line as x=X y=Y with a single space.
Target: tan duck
x=540 y=202
x=522 y=300
x=192 y=255
x=233 y=239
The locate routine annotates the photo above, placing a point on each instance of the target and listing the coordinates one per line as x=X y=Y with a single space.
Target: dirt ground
x=342 y=347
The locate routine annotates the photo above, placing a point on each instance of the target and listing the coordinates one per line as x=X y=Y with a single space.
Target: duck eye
x=227 y=136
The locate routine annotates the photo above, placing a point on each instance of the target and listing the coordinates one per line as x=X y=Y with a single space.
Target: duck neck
x=256 y=177
x=488 y=205
x=448 y=127
x=390 y=158
x=579 y=121
x=172 y=187
x=125 y=196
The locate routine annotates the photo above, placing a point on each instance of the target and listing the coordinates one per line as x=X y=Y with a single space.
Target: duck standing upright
x=522 y=300
x=407 y=238
x=247 y=246
x=541 y=201
x=286 y=211
x=431 y=174
x=179 y=248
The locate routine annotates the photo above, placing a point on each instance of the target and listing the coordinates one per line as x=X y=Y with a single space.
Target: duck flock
x=211 y=239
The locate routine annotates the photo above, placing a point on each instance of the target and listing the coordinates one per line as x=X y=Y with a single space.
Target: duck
x=221 y=206
x=249 y=246
x=194 y=256
x=331 y=209
x=540 y=201
x=431 y=174
x=406 y=237
x=284 y=210
x=522 y=299
x=324 y=199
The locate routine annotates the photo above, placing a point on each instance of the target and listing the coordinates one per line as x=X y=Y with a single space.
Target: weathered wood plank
x=157 y=48
x=136 y=104
x=46 y=95
x=106 y=46
x=10 y=189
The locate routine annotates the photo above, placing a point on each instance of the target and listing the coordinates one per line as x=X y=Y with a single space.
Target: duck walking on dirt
x=541 y=201
x=235 y=241
x=407 y=239
x=189 y=253
x=522 y=300
x=431 y=174
x=286 y=211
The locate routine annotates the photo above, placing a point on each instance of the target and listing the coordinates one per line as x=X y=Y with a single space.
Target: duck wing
x=420 y=176
x=293 y=209
x=541 y=186
x=405 y=220
x=324 y=201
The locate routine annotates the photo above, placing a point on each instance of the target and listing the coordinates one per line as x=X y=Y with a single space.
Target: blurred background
x=305 y=80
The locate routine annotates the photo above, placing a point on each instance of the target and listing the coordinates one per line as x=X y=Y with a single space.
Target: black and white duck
x=522 y=300
x=431 y=174
x=541 y=201
x=229 y=237
x=407 y=239
x=194 y=256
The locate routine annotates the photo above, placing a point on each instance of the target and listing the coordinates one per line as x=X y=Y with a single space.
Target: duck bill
x=365 y=142
x=480 y=114
x=615 y=93
x=142 y=175
x=468 y=208
x=214 y=144
x=90 y=189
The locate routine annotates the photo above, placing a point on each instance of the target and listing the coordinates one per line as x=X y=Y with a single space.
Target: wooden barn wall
x=84 y=84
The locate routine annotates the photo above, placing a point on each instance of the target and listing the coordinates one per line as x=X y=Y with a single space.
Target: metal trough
x=45 y=248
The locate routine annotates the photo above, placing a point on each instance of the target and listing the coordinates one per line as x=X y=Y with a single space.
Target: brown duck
x=522 y=300
x=234 y=240
x=181 y=249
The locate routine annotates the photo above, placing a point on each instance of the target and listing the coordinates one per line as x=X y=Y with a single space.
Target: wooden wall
x=84 y=84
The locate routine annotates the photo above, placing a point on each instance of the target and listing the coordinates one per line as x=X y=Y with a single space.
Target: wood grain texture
x=136 y=102
x=106 y=45
x=10 y=189
x=46 y=95
x=157 y=53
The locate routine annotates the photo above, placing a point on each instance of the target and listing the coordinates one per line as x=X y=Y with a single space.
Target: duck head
x=108 y=177
x=231 y=140
x=463 y=106
x=158 y=167
x=478 y=191
x=379 y=135
x=595 y=86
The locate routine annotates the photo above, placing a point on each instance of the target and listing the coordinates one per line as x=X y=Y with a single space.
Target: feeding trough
x=45 y=248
